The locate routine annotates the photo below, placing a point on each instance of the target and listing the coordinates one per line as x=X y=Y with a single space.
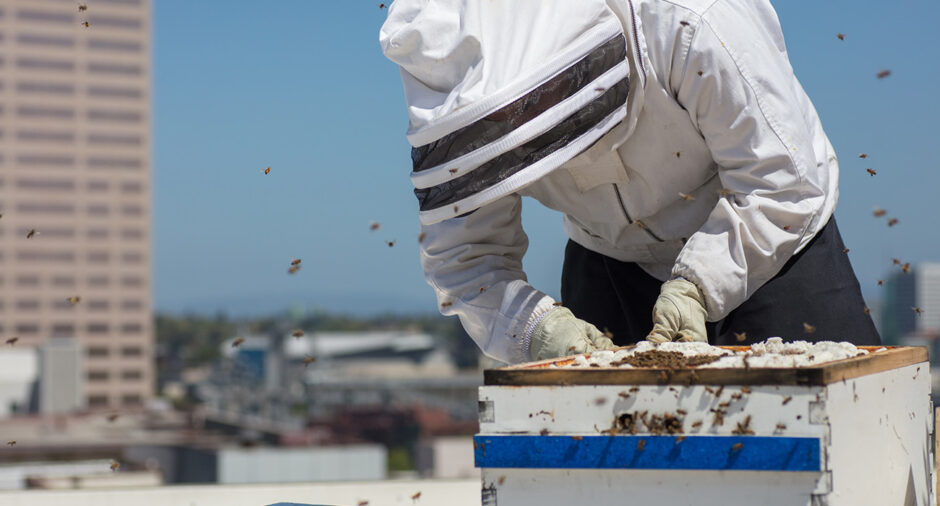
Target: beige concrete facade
x=75 y=166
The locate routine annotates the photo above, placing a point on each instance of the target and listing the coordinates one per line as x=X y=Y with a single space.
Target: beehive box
x=853 y=432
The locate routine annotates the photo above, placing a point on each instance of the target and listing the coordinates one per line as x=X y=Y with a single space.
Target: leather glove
x=679 y=313
x=560 y=334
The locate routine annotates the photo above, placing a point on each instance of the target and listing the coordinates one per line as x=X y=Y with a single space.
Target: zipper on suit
x=623 y=207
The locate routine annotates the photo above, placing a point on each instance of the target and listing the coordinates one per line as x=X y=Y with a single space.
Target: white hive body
x=856 y=431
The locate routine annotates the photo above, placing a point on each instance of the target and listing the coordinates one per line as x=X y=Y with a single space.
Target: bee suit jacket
x=672 y=134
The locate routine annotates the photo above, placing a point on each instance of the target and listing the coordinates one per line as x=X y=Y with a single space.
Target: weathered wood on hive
x=540 y=374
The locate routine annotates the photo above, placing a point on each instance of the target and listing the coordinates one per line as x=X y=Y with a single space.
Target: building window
x=61 y=18
x=132 y=187
x=116 y=22
x=131 y=351
x=45 y=112
x=42 y=64
x=98 y=257
x=98 y=209
x=45 y=136
x=132 y=257
x=45 y=88
x=114 y=116
x=115 y=140
x=132 y=328
x=45 y=160
x=98 y=375
x=114 y=163
x=45 y=256
x=27 y=280
x=31 y=39
x=118 y=2
x=45 y=208
x=63 y=330
x=27 y=305
x=27 y=328
x=121 y=46
x=130 y=304
x=62 y=304
x=132 y=233
x=132 y=281
x=63 y=281
x=97 y=401
x=98 y=281
x=97 y=185
x=97 y=233
x=98 y=328
x=131 y=400
x=98 y=304
x=132 y=210
x=49 y=184
x=98 y=351
x=114 y=92
x=114 y=69
x=49 y=233
x=130 y=374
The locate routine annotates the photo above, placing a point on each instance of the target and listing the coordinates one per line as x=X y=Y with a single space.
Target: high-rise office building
x=75 y=187
x=912 y=305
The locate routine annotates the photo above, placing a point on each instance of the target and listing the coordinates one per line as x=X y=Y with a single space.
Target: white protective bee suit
x=672 y=134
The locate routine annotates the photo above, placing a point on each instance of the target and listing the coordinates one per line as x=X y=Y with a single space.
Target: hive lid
x=539 y=373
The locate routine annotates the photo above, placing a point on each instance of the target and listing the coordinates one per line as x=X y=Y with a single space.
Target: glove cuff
x=685 y=287
x=544 y=307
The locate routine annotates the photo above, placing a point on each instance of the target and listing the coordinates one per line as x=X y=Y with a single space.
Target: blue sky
x=301 y=86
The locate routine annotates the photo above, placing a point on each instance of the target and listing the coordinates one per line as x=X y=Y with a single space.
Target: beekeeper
x=694 y=176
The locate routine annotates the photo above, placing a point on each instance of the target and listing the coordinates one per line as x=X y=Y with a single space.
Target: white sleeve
x=474 y=264
x=740 y=90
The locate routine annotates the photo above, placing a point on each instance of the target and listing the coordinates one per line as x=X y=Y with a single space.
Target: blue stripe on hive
x=755 y=453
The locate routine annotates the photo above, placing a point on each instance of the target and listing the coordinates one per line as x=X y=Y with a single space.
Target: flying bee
x=11 y=443
x=297 y=333
x=640 y=445
x=881 y=282
x=362 y=503
x=295 y=261
x=502 y=479
x=895 y=261
x=867 y=311
x=871 y=172
x=267 y=170
x=452 y=171
x=878 y=212
x=112 y=417
x=82 y=7
x=892 y=222
x=237 y=342
x=786 y=228
x=917 y=310
x=293 y=269
x=846 y=250
x=883 y=74
x=75 y=299
x=740 y=336
x=86 y=24
x=737 y=446
x=447 y=304
x=678 y=154
x=115 y=465
x=863 y=155
x=809 y=329
x=700 y=73
x=32 y=233
x=781 y=427
x=416 y=496
x=382 y=6
x=374 y=226
x=456 y=209
x=421 y=237
x=684 y=23
x=841 y=36
x=686 y=196
x=11 y=341
x=309 y=360
x=482 y=289
x=390 y=243
x=906 y=268
x=724 y=192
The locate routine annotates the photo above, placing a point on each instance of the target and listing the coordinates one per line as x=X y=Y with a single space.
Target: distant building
x=911 y=312
x=75 y=188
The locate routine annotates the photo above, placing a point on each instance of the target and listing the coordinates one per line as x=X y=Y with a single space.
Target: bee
x=75 y=299
x=293 y=269
x=678 y=154
x=416 y=495
x=543 y=432
x=452 y=171
x=878 y=212
x=846 y=250
x=863 y=155
x=681 y=412
x=309 y=360
x=112 y=417
x=745 y=390
x=115 y=465
x=786 y=400
x=576 y=438
x=82 y=7
x=719 y=391
x=917 y=310
x=680 y=439
x=600 y=401
x=237 y=342
x=883 y=74
x=86 y=24
x=684 y=23
x=686 y=196
x=699 y=73
x=456 y=209
x=724 y=192
x=557 y=303
x=11 y=443
x=421 y=237
x=362 y=503
x=295 y=261
x=881 y=282
x=841 y=36
x=867 y=311
x=634 y=389
x=11 y=341
x=382 y=6
x=640 y=445
x=32 y=233
x=697 y=424
x=624 y=395
x=895 y=261
x=390 y=244
x=786 y=228
x=374 y=226
x=737 y=447
x=447 y=304
x=871 y=172
x=781 y=427
x=740 y=336
x=809 y=329
x=906 y=268
x=482 y=289
x=892 y=222
x=297 y=333
x=267 y=170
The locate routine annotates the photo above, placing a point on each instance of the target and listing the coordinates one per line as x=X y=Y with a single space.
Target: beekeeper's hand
x=679 y=313
x=560 y=333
